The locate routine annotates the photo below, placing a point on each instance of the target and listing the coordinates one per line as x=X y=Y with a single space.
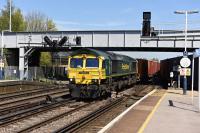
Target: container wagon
x=147 y=69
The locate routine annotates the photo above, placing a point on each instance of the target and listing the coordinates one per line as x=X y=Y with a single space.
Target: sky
x=112 y=14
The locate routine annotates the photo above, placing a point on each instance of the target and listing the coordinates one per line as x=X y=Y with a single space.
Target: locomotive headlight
x=72 y=80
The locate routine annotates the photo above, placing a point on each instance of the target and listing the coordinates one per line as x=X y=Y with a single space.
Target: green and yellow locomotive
x=93 y=73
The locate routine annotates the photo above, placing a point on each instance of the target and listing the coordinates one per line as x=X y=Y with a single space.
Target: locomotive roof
x=105 y=54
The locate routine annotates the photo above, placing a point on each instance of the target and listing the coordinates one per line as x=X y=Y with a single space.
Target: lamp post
x=186 y=22
x=10 y=22
x=185 y=51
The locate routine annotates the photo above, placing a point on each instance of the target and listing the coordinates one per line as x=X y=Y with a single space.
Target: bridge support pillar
x=24 y=53
x=21 y=63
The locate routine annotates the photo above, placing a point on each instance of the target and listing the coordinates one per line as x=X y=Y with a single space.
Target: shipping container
x=147 y=69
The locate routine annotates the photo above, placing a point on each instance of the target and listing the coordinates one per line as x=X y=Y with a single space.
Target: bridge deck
x=119 y=40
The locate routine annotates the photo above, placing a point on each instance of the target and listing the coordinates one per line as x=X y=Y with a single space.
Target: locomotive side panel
x=121 y=67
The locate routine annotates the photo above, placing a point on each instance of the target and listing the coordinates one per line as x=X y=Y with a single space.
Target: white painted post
x=193 y=80
x=21 y=63
x=199 y=84
x=10 y=22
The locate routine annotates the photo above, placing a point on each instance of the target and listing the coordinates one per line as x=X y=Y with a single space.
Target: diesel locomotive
x=93 y=73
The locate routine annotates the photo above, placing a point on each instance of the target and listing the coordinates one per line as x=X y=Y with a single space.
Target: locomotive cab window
x=103 y=64
x=76 y=63
x=92 y=62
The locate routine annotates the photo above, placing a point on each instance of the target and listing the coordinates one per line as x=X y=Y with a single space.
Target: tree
x=18 y=19
x=37 y=21
x=16 y=15
x=45 y=59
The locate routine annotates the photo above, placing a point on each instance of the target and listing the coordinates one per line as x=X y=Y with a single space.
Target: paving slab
x=134 y=119
x=155 y=115
x=182 y=117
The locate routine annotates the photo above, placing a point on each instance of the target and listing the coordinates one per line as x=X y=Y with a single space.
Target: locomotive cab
x=86 y=69
x=93 y=73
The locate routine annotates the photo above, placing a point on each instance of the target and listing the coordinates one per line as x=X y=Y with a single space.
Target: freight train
x=93 y=73
x=148 y=70
x=172 y=65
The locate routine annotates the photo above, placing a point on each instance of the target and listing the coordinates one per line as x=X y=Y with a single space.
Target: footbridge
x=109 y=40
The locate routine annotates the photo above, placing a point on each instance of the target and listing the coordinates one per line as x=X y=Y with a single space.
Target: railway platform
x=161 y=112
x=2 y=81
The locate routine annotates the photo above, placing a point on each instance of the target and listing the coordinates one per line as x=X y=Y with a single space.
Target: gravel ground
x=63 y=121
x=69 y=119
x=35 y=119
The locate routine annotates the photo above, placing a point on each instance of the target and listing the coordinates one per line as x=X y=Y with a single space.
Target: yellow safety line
x=150 y=115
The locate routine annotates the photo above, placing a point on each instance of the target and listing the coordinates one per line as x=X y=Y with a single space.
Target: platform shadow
x=186 y=109
x=182 y=102
x=171 y=104
x=175 y=93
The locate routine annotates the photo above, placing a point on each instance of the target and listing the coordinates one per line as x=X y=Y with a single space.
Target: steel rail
x=24 y=100
x=26 y=93
x=52 y=119
x=9 y=119
x=83 y=121
x=77 y=125
x=22 y=91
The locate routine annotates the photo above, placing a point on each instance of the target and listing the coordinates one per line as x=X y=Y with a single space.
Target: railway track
x=79 y=124
x=12 y=95
x=52 y=119
x=9 y=109
x=24 y=114
x=98 y=119
x=8 y=123
x=86 y=117
x=19 y=107
x=33 y=99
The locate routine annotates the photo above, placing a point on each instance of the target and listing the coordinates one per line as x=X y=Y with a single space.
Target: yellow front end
x=86 y=69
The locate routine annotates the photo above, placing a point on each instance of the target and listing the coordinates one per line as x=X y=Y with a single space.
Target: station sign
x=1 y=64
x=171 y=74
x=185 y=62
x=185 y=71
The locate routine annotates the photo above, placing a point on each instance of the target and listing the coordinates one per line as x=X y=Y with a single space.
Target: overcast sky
x=112 y=14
